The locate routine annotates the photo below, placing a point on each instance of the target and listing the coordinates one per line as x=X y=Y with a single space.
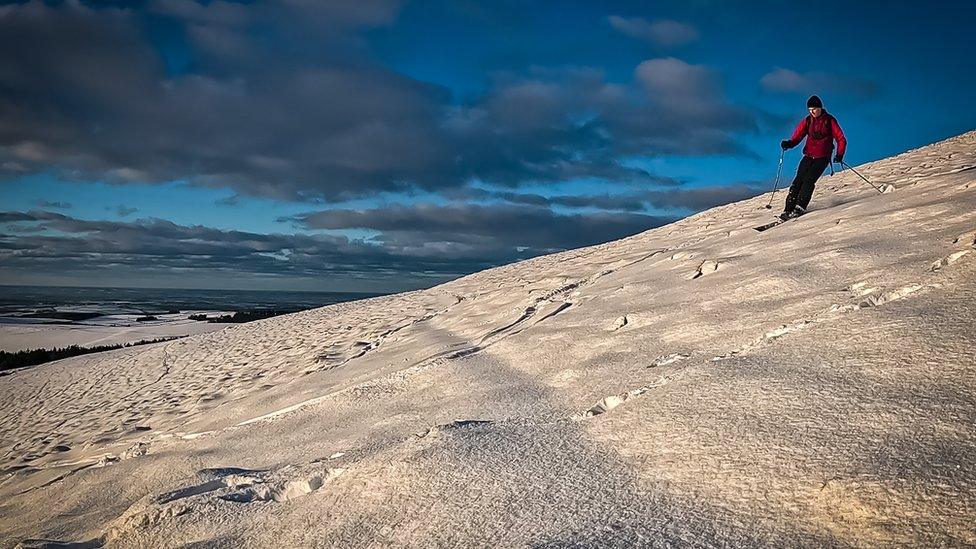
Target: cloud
x=662 y=32
x=679 y=85
x=688 y=107
x=702 y=198
x=87 y=95
x=124 y=211
x=49 y=204
x=417 y=243
x=231 y=200
x=218 y=12
x=693 y=199
x=12 y=217
x=607 y=202
x=42 y=243
x=474 y=227
x=790 y=81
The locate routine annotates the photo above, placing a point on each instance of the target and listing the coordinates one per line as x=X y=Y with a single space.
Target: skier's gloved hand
x=785 y=144
x=839 y=159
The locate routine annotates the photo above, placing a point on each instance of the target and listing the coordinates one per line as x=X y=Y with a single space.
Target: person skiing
x=820 y=129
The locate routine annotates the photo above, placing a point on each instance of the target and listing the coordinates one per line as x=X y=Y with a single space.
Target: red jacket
x=820 y=133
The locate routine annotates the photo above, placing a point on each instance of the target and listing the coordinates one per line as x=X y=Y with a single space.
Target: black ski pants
x=807 y=173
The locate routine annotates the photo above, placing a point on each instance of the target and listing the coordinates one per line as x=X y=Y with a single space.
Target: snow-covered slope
x=697 y=384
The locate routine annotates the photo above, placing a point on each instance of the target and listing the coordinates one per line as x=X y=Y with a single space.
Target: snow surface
x=700 y=384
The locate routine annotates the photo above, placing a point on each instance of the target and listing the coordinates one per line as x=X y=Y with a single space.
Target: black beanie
x=814 y=101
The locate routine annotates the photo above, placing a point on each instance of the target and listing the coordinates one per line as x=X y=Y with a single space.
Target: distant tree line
x=61 y=315
x=243 y=316
x=32 y=357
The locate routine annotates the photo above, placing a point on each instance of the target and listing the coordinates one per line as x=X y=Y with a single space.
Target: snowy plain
x=19 y=335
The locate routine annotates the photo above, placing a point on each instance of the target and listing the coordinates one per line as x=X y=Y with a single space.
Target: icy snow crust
x=700 y=384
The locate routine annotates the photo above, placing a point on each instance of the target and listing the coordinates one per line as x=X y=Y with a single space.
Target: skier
x=820 y=130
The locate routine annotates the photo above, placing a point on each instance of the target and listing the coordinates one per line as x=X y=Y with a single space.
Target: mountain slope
x=701 y=383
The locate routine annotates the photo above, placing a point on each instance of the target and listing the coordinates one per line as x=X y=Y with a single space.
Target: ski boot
x=797 y=212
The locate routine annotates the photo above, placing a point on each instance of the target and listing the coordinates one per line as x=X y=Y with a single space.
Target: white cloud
x=662 y=32
x=790 y=81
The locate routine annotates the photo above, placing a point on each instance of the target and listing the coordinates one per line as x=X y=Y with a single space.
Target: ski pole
x=779 y=170
x=862 y=177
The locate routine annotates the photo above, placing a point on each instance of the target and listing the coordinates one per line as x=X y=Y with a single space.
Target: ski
x=778 y=221
x=770 y=225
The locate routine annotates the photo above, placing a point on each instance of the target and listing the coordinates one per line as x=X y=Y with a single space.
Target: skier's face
x=815 y=111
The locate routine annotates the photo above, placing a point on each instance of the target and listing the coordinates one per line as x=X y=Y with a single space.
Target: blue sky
x=386 y=145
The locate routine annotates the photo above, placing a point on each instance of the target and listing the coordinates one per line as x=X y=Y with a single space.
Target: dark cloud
x=10 y=217
x=701 y=198
x=565 y=124
x=694 y=199
x=229 y=14
x=789 y=81
x=231 y=200
x=282 y=100
x=480 y=227
x=608 y=202
x=422 y=242
x=49 y=204
x=519 y=226
x=43 y=242
x=662 y=32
